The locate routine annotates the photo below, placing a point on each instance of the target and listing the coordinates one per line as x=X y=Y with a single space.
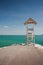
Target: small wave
x=39 y=46
x=18 y=44
x=36 y=45
x=3 y=48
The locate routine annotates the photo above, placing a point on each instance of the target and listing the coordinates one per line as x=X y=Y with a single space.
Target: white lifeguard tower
x=30 y=35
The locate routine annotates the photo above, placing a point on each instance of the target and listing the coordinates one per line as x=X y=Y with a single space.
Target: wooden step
x=31 y=29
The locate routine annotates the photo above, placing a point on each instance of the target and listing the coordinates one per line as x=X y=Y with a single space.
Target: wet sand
x=21 y=55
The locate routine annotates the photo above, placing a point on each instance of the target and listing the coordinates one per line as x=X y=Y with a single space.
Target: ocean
x=7 y=40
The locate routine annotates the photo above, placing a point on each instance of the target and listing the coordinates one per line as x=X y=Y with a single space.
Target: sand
x=21 y=55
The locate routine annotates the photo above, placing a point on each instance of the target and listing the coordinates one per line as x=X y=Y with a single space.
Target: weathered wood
x=30 y=31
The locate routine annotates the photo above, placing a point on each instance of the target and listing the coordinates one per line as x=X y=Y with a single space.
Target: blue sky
x=13 y=14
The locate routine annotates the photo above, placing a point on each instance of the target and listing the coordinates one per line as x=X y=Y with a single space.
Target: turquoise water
x=6 y=40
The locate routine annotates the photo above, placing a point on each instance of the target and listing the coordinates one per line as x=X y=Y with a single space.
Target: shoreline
x=35 y=45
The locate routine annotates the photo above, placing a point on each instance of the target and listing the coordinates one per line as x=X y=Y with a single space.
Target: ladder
x=30 y=35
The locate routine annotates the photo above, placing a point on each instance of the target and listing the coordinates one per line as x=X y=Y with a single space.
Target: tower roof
x=30 y=21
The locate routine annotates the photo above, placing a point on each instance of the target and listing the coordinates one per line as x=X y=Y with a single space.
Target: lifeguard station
x=30 y=35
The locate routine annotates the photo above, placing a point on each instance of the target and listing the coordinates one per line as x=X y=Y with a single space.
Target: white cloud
x=5 y=26
x=16 y=30
x=13 y=26
x=39 y=30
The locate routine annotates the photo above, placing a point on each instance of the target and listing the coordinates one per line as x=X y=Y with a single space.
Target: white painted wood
x=30 y=34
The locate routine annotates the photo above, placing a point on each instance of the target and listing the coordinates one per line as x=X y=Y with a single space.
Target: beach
x=21 y=55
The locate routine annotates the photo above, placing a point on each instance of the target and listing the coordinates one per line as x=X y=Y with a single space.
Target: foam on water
x=39 y=46
x=36 y=45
